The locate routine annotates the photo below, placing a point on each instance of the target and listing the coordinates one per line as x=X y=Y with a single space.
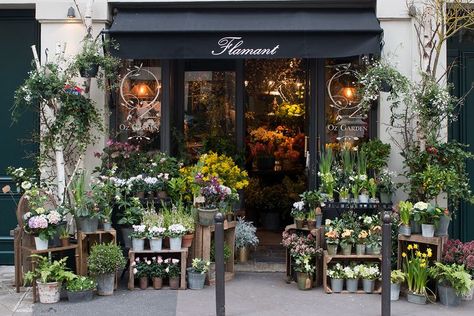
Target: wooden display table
x=318 y=233
x=202 y=247
x=133 y=254
x=49 y=251
x=87 y=240
x=435 y=243
x=347 y=259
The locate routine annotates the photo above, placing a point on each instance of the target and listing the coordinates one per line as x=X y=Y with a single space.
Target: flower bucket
x=304 y=281
x=41 y=244
x=363 y=198
x=127 y=241
x=206 y=216
x=80 y=296
x=138 y=244
x=187 y=240
x=394 y=291
x=87 y=224
x=469 y=295
x=311 y=224
x=416 y=298
x=442 y=229
x=243 y=254
x=195 y=279
x=352 y=285
x=299 y=223
x=415 y=227
x=175 y=243
x=385 y=197
x=48 y=292
x=107 y=226
x=332 y=250
x=143 y=283
x=368 y=285
x=157 y=283
x=105 y=284
x=404 y=230
x=346 y=249
x=156 y=244
x=174 y=283
x=360 y=249
x=427 y=230
x=319 y=220
x=447 y=296
x=337 y=285
x=373 y=250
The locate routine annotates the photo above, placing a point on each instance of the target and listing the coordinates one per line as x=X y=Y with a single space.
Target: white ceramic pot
x=41 y=244
x=48 y=292
x=427 y=230
x=175 y=243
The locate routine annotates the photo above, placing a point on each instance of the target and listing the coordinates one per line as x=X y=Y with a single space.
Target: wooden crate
x=319 y=235
x=202 y=247
x=133 y=254
x=435 y=243
x=348 y=258
x=85 y=242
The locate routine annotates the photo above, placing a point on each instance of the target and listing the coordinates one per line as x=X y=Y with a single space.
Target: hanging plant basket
x=89 y=72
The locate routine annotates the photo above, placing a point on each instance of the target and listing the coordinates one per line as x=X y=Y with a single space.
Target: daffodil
x=410 y=247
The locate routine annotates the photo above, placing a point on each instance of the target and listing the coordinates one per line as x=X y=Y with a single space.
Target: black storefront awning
x=245 y=33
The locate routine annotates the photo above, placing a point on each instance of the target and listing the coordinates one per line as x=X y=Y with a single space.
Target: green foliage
x=131 y=211
x=377 y=154
x=227 y=252
x=397 y=276
x=405 y=209
x=200 y=266
x=453 y=275
x=311 y=198
x=105 y=259
x=81 y=283
x=47 y=271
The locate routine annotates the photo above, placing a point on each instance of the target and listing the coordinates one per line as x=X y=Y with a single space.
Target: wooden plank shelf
x=87 y=240
x=133 y=254
x=435 y=243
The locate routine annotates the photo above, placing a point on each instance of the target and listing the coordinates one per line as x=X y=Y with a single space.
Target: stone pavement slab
x=12 y=303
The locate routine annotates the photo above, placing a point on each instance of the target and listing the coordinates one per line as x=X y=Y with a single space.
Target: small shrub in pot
x=80 y=289
x=197 y=273
x=103 y=262
x=245 y=237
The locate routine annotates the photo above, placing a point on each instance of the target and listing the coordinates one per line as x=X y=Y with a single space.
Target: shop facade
x=216 y=75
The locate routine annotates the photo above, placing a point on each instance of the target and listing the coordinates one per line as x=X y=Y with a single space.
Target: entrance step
x=256 y=266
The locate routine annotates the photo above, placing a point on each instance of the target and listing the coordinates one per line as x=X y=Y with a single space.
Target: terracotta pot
x=174 y=283
x=157 y=283
x=143 y=283
x=311 y=224
x=187 y=240
x=299 y=223
x=65 y=242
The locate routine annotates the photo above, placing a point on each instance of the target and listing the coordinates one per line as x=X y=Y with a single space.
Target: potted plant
x=80 y=289
x=313 y=200
x=332 y=241
x=454 y=251
x=197 y=273
x=347 y=240
x=141 y=271
x=327 y=179
x=386 y=186
x=230 y=201
x=344 y=195
x=304 y=271
x=453 y=282
x=104 y=192
x=355 y=192
x=175 y=232
x=429 y=217
x=396 y=278
x=369 y=273
x=138 y=236
x=227 y=255
x=157 y=272
x=187 y=217
x=49 y=276
x=132 y=214
x=245 y=237
x=415 y=267
x=311 y=219
x=336 y=275
x=104 y=261
x=155 y=236
x=64 y=236
x=374 y=241
x=372 y=187
x=298 y=214
x=405 y=209
x=361 y=240
x=352 y=278
x=84 y=208
x=445 y=219
x=173 y=271
x=213 y=194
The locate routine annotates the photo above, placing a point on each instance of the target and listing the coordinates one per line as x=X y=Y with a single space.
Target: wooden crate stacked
x=435 y=243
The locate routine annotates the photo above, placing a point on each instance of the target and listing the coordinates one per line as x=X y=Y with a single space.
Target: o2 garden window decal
x=140 y=98
x=343 y=98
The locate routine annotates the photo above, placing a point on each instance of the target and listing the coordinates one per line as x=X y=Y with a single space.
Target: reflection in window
x=139 y=104
x=346 y=125
x=209 y=112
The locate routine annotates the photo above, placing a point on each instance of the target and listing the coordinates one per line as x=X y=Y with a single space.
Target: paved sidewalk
x=248 y=294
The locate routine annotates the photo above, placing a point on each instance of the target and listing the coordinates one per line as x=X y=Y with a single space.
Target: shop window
x=209 y=112
x=345 y=124
x=138 y=115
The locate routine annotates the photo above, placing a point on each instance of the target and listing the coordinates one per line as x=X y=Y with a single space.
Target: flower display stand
x=202 y=247
x=183 y=259
x=85 y=242
x=435 y=243
x=347 y=259
x=318 y=233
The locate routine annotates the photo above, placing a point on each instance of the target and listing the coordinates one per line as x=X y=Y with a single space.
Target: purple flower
x=38 y=222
